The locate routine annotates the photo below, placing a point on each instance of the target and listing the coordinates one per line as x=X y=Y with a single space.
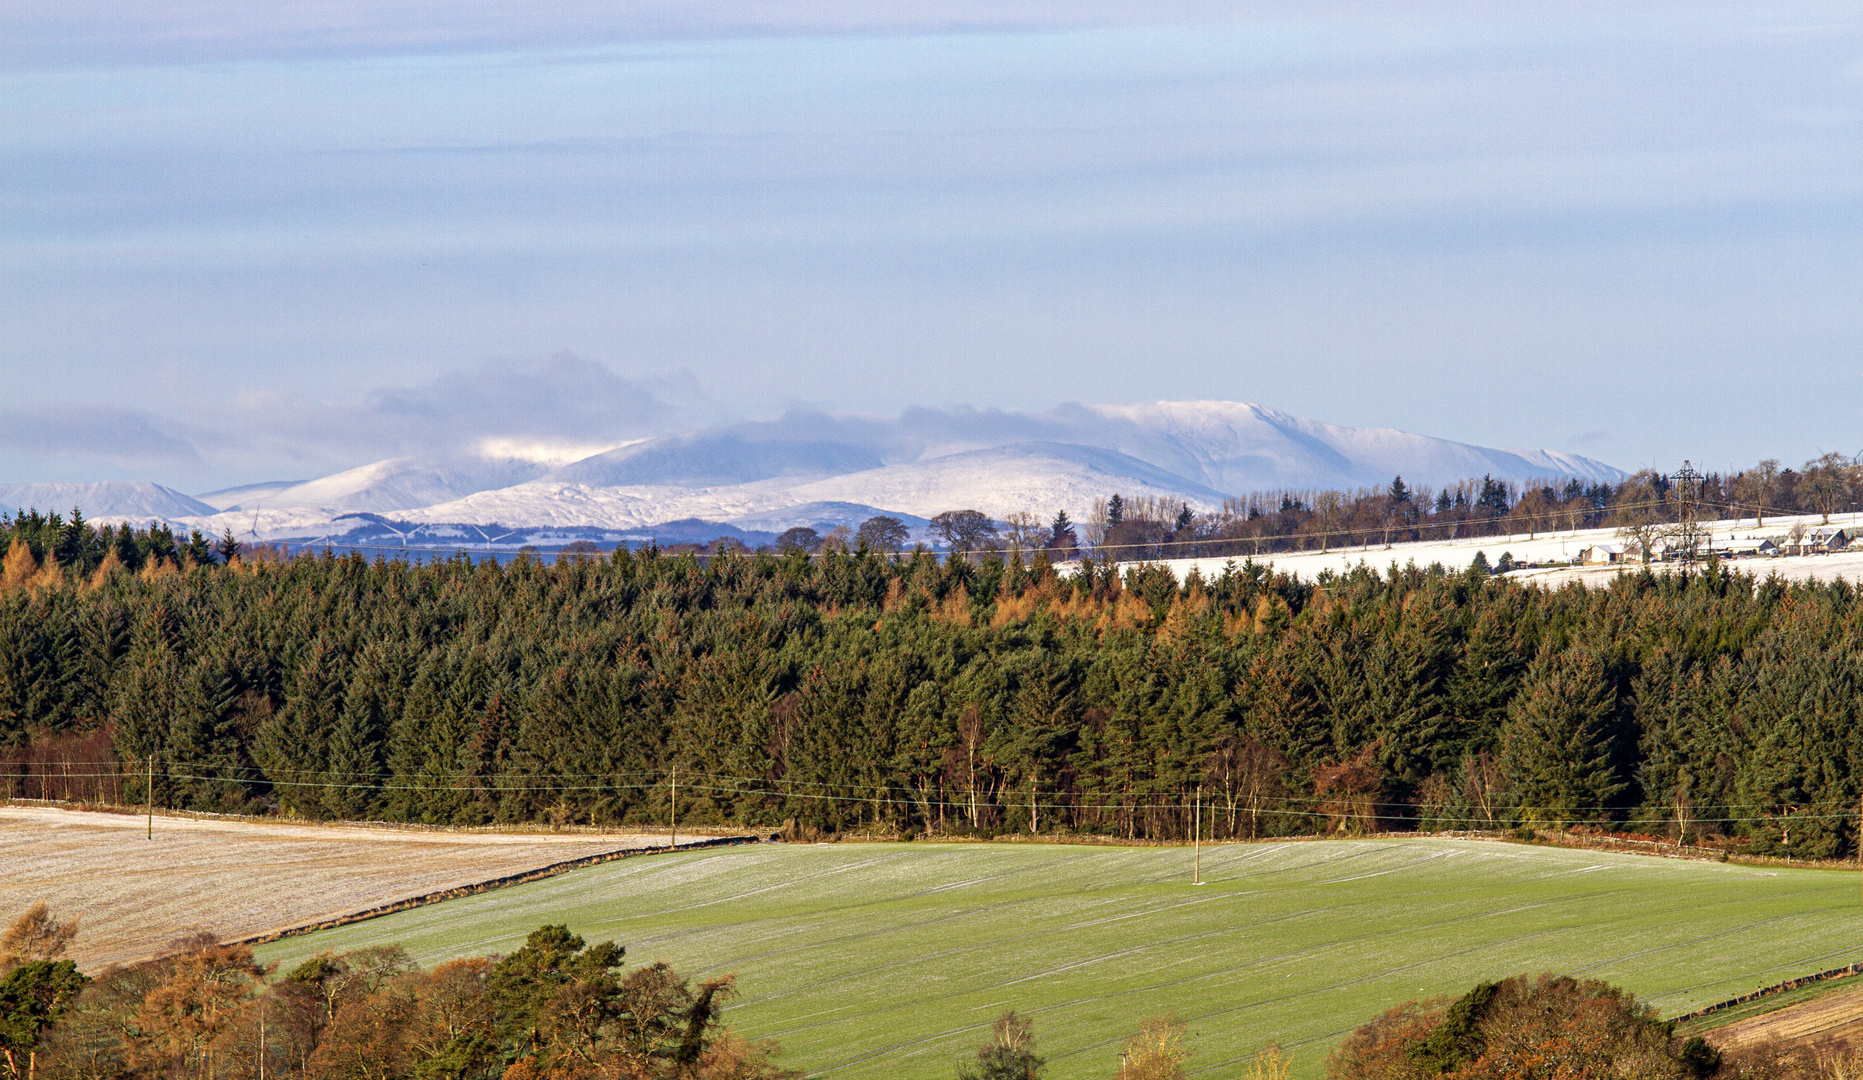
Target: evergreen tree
x=1556 y=745
x=199 y=549
x=1493 y=499
x=293 y=748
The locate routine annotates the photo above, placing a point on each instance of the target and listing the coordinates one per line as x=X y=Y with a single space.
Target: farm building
x=1599 y=555
x=1746 y=548
x=1817 y=542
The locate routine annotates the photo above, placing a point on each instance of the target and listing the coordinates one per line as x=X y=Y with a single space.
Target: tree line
x=559 y=1008
x=905 y=695
x=1139 y=528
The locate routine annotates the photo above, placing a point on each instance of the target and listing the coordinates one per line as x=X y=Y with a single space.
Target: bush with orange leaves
x=556 y=1009
x=1552 y=1027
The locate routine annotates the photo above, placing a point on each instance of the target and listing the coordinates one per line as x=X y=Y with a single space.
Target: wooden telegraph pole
x=672 y=814
x=150 y=794
x=1196 y=844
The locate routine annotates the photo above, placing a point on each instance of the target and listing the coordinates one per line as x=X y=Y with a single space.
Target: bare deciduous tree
x=35 y=935
x=1157 y=1052
x=964 y=530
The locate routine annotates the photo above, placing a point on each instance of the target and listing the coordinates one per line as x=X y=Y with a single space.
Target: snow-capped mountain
x=388 y=485
x=111 y=500
x=825 y=469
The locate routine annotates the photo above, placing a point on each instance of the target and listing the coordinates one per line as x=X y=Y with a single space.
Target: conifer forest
x=855 y=692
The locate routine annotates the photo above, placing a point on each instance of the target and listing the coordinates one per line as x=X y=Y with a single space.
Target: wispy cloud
x=545 y=411
x=1500 y=223
x=40 y=32
x=106 y=434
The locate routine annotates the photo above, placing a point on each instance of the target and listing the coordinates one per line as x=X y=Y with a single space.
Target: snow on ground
x=1561 y=547
x=109 y=500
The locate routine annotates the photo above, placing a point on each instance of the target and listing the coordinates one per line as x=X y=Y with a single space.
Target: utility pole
x=672 y=814
x=151 y=796
x=1196 y=844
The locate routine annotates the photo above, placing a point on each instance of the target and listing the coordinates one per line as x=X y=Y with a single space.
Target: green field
x=891 y=960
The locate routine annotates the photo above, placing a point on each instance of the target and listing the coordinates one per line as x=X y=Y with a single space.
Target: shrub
x=1524 y=1028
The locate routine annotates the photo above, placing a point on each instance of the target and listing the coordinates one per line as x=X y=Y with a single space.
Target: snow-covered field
x=1564 y=547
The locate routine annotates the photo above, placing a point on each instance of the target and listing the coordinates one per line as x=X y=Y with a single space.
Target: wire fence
x=78 y=781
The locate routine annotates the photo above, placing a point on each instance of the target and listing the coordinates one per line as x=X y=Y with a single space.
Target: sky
x=242 y=243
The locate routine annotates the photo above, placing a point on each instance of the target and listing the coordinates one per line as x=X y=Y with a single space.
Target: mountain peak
x=816 y=468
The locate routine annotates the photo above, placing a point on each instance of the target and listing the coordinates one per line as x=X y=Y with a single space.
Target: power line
x=884 y=794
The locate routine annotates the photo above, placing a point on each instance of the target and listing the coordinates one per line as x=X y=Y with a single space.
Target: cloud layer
x=41 y=32
x=544 y=411
x=1640 y=224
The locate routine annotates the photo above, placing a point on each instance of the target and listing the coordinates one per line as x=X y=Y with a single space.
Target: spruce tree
x=200 y=549
x=1556 y=745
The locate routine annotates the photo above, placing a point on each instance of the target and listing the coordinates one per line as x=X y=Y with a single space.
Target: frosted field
x=1563 y=547
x=235 y=879
x=891 y=960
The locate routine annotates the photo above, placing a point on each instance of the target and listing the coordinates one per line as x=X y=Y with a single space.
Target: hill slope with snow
x=111 y=500
x=826 y=469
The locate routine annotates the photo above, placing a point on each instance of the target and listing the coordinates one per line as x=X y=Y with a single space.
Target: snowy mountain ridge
x=824 y=469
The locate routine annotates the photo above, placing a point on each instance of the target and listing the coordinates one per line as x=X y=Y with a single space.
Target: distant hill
x=391 y=484
x=824 y=469
x=110 y=500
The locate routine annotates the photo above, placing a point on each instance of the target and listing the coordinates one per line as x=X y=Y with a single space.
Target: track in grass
x=891 y=960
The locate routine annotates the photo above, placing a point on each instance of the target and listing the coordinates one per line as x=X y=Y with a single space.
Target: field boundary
x=540 y=873
x=511 y=828
x=1777 y=988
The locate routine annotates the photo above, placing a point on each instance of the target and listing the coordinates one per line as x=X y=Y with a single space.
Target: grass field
x=890 y=960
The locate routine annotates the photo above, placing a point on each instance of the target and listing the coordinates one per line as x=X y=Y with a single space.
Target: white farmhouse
x=1599 y=555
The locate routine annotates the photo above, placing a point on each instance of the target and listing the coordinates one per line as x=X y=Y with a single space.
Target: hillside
x=1543 y=557
x=114 y=500
x=888 y=962
x=824 y=469
x=236 y=879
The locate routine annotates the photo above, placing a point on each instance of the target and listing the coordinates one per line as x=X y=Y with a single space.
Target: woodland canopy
x=856 y=692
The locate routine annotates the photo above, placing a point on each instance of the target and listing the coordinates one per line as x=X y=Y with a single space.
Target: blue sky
x=239 y=244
